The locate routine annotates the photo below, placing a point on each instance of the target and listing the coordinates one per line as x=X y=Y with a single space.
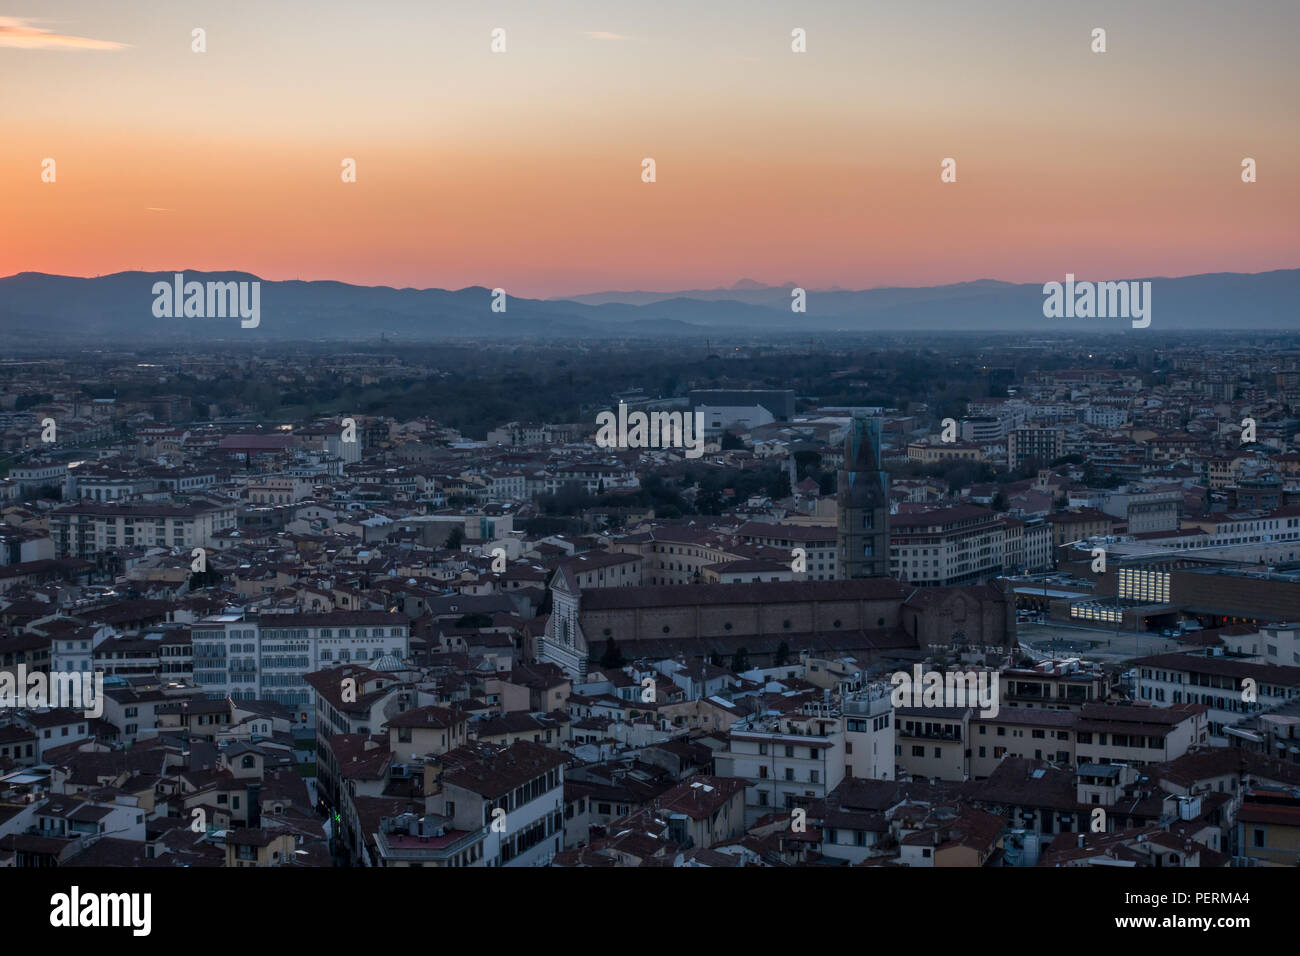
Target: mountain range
x=120 y=306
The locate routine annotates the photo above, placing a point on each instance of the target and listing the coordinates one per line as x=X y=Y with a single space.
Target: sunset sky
x=523 y=169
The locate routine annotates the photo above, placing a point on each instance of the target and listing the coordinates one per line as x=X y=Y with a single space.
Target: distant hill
x=120 y=306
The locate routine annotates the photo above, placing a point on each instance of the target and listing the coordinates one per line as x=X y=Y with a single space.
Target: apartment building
x=932 y=742
x=819 y=543
x=1137 y=734
x=1081 y=525
x=267 y=657
x=54 y=727
x=1146 y=512
x=1054 y=685
x=250 y=847
x=957 y=744
x=1268 y=826
x=134 y=709
x=1038 y=734
x=86 y=529
x=983 y=429
x=1038 y=544
x=1280 y=644
x=593 y=478
x=789 y=760
x=704 y=810
x=432 y=840
x=35 y=475
x=1040 y=444
x=960 y=545
x=278 y=490
x=73 y=650
x=927 y=453
x=869 y=735
x=602 y=569
x=677 y=555
x=1218 y=682
x=515 y=794
x=356 y=709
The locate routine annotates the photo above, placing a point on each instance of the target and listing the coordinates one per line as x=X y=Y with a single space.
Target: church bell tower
x=863 y=499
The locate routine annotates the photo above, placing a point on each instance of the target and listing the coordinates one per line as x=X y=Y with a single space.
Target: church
x=866 y=615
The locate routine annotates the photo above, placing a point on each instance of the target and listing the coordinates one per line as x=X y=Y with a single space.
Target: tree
x=782 y=654
x=807 y=462
x=454 y=539
x=740 y=661
x=709 y=503
x=613 y=655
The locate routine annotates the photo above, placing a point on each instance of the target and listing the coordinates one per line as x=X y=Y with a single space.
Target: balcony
x=920 y=734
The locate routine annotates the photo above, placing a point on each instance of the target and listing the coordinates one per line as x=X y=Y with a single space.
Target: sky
x=523 y=169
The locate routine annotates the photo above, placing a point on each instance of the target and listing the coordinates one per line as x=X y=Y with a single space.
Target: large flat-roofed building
x=1219 y=596
x=743 y=408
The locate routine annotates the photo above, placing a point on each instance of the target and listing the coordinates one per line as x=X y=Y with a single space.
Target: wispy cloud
x=19 y=32
x=604 y=35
